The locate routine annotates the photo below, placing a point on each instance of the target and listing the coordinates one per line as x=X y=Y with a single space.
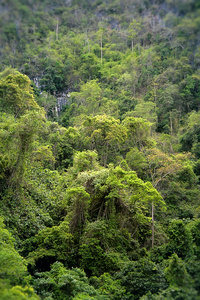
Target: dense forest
x=100 y=149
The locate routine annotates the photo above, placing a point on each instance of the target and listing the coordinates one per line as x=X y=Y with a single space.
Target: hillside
x=100 y=149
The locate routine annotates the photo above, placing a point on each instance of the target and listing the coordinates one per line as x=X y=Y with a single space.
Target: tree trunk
x=57 y=30
x=171 y=127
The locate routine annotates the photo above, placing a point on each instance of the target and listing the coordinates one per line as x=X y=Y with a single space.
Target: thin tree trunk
x=171 y=127
x=57 y=30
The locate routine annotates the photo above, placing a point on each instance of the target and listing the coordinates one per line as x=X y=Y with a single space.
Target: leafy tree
x=180 y=239
x=53 y=80
x=189 y=140
x=181 y=285
x=17 y=140
x=16 y=94
x=61 y=283
x=12 y=265
x=94 y=260
x=138 y=131
x=13 y=268
x=98 y=248
x=17 y=293
x=105 y=135
x=78 y=200
x=119 y=192
x=145 y=110
x=160 y=165
x=43 y=156
x=85 y=161
x=172 y=293
x=133 y=31
x=141 y=277
x=49 y=103
x=108 y=287
x=89 y=97
x=64 y=143
x=137 y=162
x=51 y=244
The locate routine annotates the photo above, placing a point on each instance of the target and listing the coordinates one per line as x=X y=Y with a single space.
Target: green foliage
x=12 y=265
x=104 y=134
x=54 y=77
x=193 y=268
x=13 y=270
x=47 y=189
x=52 y=244
x=190 y=138
x=17 y=136
x=16 y=95
x=103 y=248
x=64 y=142
x=194 y=227
x=48 y=102
x=85 y=161
x=88 y=99
x=141 y=277
x=97 y=194
x=109 y=287
x=119 y=192
x=94 y=260
x=136 y=161
x=78 y=200
x=176 y=273
x=138 y=132
x=17 y=292
x=61 y=283
x=180 y=239
x=172 y=293
x=187 y=177
x=43 y=156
